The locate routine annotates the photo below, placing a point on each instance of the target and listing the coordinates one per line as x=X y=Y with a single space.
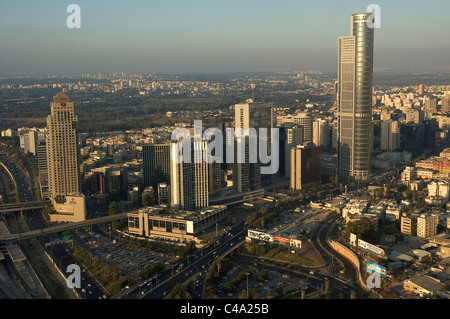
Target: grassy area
x=273 y=252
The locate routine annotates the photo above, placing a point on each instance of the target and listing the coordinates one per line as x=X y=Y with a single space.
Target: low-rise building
x=176 y=225
x=424 y=173
x=394 y=211
x=408 y=174
x=422 y=285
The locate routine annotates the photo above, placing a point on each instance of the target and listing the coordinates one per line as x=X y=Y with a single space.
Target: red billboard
x=282 y=240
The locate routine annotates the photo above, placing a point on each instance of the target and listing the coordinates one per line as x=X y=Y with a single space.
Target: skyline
x=353 y=201
x=204 y=36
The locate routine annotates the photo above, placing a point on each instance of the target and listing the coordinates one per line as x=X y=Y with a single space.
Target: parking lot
x=126 y=260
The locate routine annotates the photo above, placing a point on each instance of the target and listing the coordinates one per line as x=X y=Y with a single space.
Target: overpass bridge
x=18 y=207
x=8 y=238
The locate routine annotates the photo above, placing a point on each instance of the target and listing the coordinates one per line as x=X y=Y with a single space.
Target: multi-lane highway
x=21 y=179
x=196 y=265
x=320 y=238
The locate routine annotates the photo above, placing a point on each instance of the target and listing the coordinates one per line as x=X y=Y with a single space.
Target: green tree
x=262 y=276
x=280 y=292
x=148 y=198
x=113 y=210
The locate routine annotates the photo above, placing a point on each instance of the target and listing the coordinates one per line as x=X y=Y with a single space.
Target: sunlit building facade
x=355 y=81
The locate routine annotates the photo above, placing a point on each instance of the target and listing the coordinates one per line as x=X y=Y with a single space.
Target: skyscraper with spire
x=62 y=149
x=355 y=81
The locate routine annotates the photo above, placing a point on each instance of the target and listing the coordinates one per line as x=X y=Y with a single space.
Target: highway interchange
x=196 y=266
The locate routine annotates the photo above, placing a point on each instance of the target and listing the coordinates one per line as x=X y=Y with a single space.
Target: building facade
x=390 y=135
x=355 y=82
x=306 y=166
x=321 y=133
x=251 y=116
x=181 y=226
x=63 y=153
x=189 y=180
x=156 y=164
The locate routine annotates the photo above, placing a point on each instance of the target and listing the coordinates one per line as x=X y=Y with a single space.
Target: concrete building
x=306 y=166
x=251 y=117
x=421 y=90
x=414 y=116
x=321 y=133
x=445 y=103
x=390 y=136
x=422 y=285
x=439 y=189
x=163 y=194
x=156 y=164
x=355 y=77
x=294 y=137
x=63 y=153
x=394 y=211
x=189 y=178
x=306 y=121
x=175 y=225
x=430 y=106
x=427 y=225
x=29 y=141
x=413 y=138
x=74 y=209
x=408 y=224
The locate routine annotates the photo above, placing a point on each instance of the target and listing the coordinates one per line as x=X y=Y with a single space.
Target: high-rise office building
x=117 y=183
x=321 y=133
x=414 y=116
x=305 y=120
x=181 y=182
x=294 y=137
x=430 y=128
x=421 y=91
x=214 y=176
x=430 y=106
x=29 y=141
x=189 y=179
x=251 y=115
x=445 y=103
x=305 y=166
x=42 y=160
x=355 y=82
x=201 y=175
x=63 y=155
x=156 y=164
x=413 y=137
x=390 y=135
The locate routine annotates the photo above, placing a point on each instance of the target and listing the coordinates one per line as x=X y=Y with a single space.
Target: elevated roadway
x=18 y=207
x=60 y=228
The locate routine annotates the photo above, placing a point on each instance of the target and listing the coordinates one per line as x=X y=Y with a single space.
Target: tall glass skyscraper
x=355 y=81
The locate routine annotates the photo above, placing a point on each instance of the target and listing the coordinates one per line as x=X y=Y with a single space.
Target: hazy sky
x=214 y=35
